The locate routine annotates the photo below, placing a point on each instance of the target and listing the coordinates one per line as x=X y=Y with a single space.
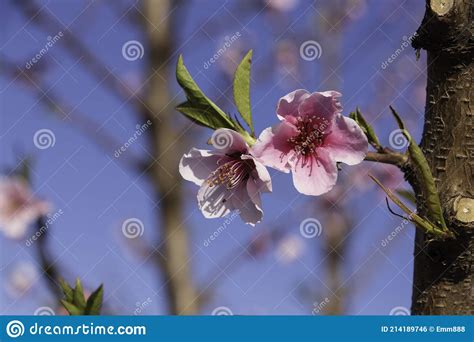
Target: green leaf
x=423 y=172
x=407 y=195
x=24 y=169
x=67 y=290
x=397 y=117
x=366 y=128
x=242 y=90
x=79 y=299
x=94 y=303
x=199 y=108
x=71 y=308
x=201 y=116
x=414 y=217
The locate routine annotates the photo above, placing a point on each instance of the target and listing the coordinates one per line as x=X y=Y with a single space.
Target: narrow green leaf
x=24 y=169
x=366 y=128
x=407 y=195
x=67 y=290
x=199 y=108
x=413 y=217
x=397 y=117
x=435 y=212
x=423 y=172
x=242 y=90
x=94 y=302
x=79 y=299
x=71 y=308
x=202 y=116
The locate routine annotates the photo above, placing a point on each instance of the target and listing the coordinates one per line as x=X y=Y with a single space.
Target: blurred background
x=88 y=91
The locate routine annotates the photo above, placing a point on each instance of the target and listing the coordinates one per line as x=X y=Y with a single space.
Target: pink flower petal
x=316 y=176
x=214 y=201
x=19 y=208
x=261 y=175
x=17 y=227
x=272 y=147
x=196 y=165
x=288 y=104
x=323 y=105
x=247 y=201
x=346 y=143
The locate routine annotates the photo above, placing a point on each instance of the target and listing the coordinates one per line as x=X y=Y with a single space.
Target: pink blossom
x=310 y=139
x=229 y=176
x=18 y=207
x=21 y=278
x=289 y=249
x=282 y=5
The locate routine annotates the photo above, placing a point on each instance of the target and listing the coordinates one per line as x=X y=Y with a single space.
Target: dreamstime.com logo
x=44 y=138
x=310 y=50
x=16 y=328
x=229 y=40
x=310 y=228
x=222 y=311
x=132 y=50
x=399 y=311
x=398 y=140
x=222 y=139
x=133 y=228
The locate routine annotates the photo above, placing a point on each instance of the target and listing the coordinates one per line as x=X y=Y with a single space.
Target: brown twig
x=74 y=46
x=48 y=267
x=387 y=157
x=87 y=126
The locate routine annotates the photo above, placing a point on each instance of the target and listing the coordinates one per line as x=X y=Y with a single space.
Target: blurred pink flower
x=312 y=137
x=18 y=207
x=289 y=249
x=282 y=5
x=20 y=279
x=229 y=176
x=287 y=62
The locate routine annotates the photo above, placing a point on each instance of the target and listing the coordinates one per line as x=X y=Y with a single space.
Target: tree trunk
x=444 y=273
x=167 y=150
x=335 y=235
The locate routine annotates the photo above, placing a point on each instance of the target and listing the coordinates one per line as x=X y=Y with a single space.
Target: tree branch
x=48 y=267
x=167 y=148
x=387 y=157
x=88 y=127
x=74 y=46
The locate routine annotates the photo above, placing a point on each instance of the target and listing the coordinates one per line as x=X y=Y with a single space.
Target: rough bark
x=167 y=149
x=444 y=273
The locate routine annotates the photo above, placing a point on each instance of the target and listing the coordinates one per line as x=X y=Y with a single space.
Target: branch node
x=441 y=7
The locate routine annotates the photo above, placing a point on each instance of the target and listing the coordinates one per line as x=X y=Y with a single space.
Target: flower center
x=230 y=174
x=311 y=133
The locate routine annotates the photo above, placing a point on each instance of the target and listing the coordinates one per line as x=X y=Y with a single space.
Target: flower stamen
x=230 y=174
x=311 y=133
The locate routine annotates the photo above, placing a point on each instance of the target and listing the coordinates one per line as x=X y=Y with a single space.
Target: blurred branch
x=47 y=265
x=164 y=139
x=87 y=126
x=167 y=149
x=74 y=46
x=142 y=248
x=130 y=14
x=338 y=225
